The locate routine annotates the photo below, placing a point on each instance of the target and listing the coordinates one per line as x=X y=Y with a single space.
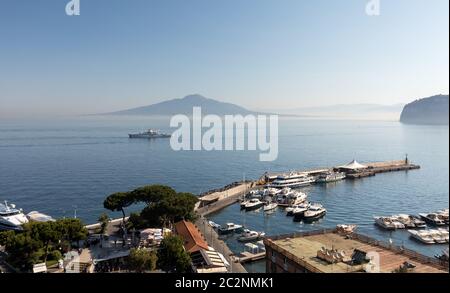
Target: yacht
x=11 y=218
x=423 y=236
x=290 y=209
x=439 y=236
x=248 y=235
x=314 y=212
x=433 y=219
x=151 y=133
x=409 y=221
x=35 y=216
x=299 y=211
x=388 y=223
x=292 y=180
x=289 y=197
x=270 y=206
x=330 y=177
x=230 y=228
x=253 y=204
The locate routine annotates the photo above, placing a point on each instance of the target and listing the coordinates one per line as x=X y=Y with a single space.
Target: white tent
x=353 y=165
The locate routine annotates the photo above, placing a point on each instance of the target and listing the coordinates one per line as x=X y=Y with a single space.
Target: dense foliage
x=172 y=257
x=164 y=205
x=39 y=242
x=141 y=260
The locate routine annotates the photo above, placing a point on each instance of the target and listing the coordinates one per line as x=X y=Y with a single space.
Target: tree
x=104 y=221
x=117 y=202
x=45 y=232
x=172 y=257
x=152 y=193
x=141 y=260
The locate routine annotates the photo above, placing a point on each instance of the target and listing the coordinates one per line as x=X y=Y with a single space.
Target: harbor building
x=327 y=251
x=205 y=259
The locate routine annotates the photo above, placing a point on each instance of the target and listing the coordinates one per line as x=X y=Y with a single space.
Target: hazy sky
x=258 y=53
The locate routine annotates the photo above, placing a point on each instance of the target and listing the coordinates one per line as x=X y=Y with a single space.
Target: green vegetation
x=172 y=257
x=41 y=242
x=164 y=206
x=142 y=260
x=104 y=221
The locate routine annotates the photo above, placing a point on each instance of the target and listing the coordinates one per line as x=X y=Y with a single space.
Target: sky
x=278 y=54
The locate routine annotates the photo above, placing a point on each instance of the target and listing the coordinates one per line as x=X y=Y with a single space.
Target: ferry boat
x=433 y=219
x=253 y=204
x=11 y=218
x=330 y=177
x=314 y=212
x=292 y=180
x=388 y=223
x=248 y=235
x=151 y=133
x=230 y=228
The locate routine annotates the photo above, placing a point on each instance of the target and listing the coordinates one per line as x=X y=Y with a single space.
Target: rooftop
x=303 y=250
x=193 y=238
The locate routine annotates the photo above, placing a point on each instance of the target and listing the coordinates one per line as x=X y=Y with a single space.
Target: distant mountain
x=432 y=110
x=184 y=106
x=351 y=111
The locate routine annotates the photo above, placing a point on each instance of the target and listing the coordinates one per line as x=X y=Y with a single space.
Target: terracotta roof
x=193 y=238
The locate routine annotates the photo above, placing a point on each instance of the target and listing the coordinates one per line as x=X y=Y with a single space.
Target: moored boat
x=330 y=176
x=253 y=204
x=433 y=219
x=422 y=236
x=388 y=223
x=270 y=206
x=11 y=218
x=314 y=212
x=248 y=235
x=230 y=228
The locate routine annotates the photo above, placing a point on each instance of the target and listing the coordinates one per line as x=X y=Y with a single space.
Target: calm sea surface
x=62 y=166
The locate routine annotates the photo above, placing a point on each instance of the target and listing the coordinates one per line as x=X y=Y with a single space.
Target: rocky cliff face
x=432 y=110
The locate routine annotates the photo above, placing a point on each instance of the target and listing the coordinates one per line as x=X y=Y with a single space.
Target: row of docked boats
x=294 y=201
x=402 y=221
x=300 y=179
x=431 y=236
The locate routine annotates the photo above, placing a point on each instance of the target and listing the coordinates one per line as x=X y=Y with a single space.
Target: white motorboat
x=433 y=219
x=11 y=218
x=346 y=229
x=409 y=221
x=388 y=223
x=292 y=180
x=249 y=235
x=270 y=206
x=230 y=228
x=299 y=211
x=422 y=236
x=314 y=212
x=439 y=236
x=35 y=216
x=253 y=204
x=330 y=177
x=290 y=197
x=214 y=225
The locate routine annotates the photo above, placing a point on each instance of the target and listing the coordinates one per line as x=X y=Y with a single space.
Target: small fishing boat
x=249 y=235
x=230 y=228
